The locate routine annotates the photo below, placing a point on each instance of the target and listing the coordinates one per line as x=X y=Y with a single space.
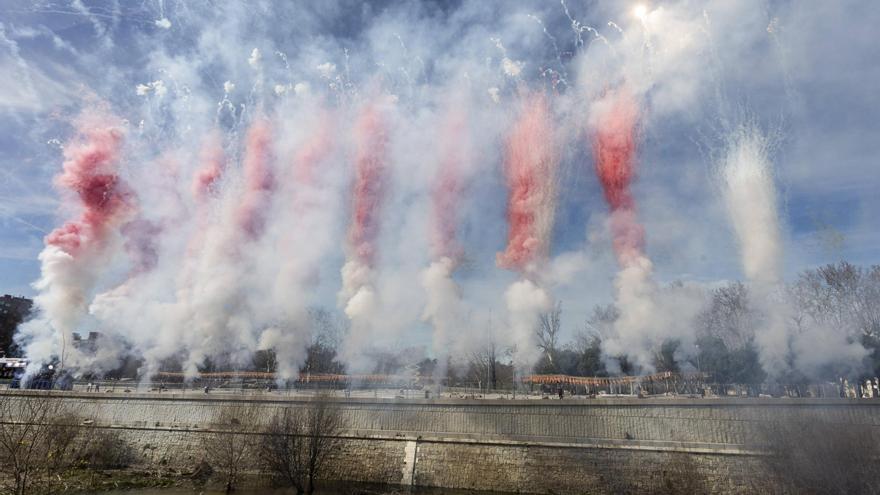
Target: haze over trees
x=838 y=301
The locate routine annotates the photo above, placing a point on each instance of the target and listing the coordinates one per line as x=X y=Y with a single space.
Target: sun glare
x=640 y=11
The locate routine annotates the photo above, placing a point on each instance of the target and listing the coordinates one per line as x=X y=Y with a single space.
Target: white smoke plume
x=749 y=190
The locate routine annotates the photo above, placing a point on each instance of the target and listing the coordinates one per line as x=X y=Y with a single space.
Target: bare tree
x=25 y=440
x=483 y=362
x=842 y=296
x=549 y=325
x=62 y=441
x=298 y=441
x=327 y=331
x=729 y=316
x=228 y=449
x=601 y=321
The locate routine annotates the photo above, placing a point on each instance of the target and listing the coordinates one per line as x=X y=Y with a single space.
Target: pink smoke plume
x=213 y=160
x=369 y=184
x=90 y=172
x=530 y=167
x=314 y=150
x=259 y=179
x=446 y=192
x=614 y=147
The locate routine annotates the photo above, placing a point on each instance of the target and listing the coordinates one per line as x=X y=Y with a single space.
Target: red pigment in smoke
x=446 y=192
x=528 y=168
x=614 y=146
x=314 y=150
x=371 y=138
x=141 y=237
x=90 y=172
x=213 y=162
x=259 y=182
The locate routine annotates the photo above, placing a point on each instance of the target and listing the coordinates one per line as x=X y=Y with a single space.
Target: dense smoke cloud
x=422 y=169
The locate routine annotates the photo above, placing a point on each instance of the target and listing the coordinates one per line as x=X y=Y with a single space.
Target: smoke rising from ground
x=422 y=169
x=749 y=191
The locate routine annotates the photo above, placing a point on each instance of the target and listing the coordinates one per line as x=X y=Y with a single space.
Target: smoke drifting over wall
x=420 y=169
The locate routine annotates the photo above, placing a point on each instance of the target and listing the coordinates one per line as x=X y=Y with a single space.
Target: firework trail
x=443 y=307
x=213 y=160
x=614 y=137
x=446 y=193
x=314 y=151
x=259 y=180
x=123 y=304
x=530 y=170
x=749 y=192
x=750 y=196
x=76 y=252
x=210 y=300
x=530 y=164
x=369 y=183
x=358 y=296
x=614 y=146
x=205 y=187
x=306 y=240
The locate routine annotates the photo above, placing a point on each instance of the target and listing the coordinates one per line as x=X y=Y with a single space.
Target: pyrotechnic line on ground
x=530 y=163
x=76 y=252
x=614 y=133
x=358 y=296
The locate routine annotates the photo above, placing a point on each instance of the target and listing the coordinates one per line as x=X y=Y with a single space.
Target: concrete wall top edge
x=603 y=402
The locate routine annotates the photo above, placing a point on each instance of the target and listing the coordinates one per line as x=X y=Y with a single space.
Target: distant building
x=87 y=345
x=13 y=311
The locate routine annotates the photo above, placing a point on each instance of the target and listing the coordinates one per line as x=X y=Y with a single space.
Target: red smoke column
x=446 y=192
x=204 y=187
x=614 y=147
x=529 y=168
x=90 y=171
x=259 y=180
x=314 y=150
x=371 y=137
x=213 y=160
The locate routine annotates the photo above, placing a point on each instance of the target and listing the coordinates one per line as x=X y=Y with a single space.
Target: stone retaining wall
x=537 y=446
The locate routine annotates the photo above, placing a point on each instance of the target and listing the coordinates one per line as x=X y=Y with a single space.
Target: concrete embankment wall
x=537 y=446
